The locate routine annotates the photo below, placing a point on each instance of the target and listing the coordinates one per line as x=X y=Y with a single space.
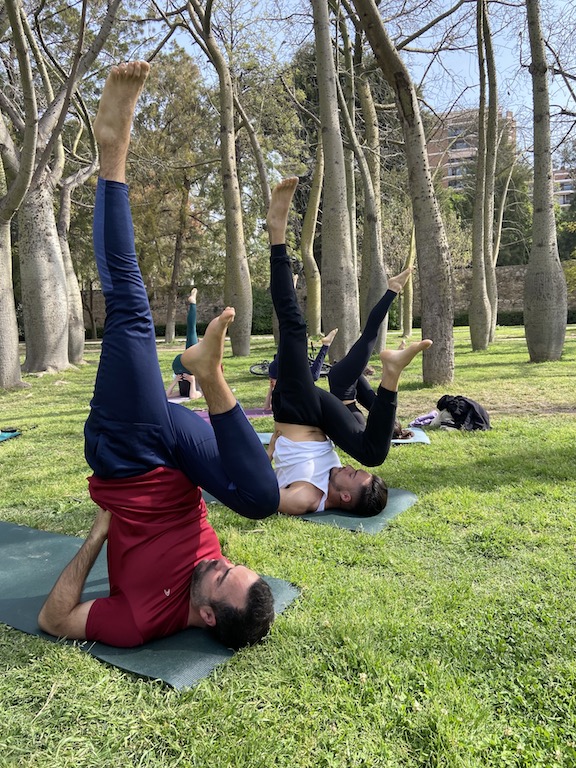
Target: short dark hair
x=237 y=628
x=372 y=499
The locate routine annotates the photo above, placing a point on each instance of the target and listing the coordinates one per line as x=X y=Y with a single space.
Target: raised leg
x=294 y=399
x=345 y=373
x=129 y=408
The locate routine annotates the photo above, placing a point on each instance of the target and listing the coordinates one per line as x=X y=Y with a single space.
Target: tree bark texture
x=408 y=292
x=237 y=284
x=373 y=283
x=43 y=279
x=479 y=310
x=339 y=282
x=431 y=244
x=9 y=353
x=545 y=296
x=492 y=144
x=176 y=266
x=311 y=271
x=76 y=329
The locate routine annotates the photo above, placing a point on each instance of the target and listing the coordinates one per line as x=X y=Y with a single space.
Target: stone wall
x=510 y=298
x=510 y=282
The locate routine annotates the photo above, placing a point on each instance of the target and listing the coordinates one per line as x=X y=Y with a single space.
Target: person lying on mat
x=309 y=420
x=150 y=456
x=183 y=379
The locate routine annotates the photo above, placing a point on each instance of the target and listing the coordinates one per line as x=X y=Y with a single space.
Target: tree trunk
x=492 y=145
x=408 y=292
x=349 y=92
x=373 y=274
x=180 y=234
x=10 y=199
x=88 y=305
x=339 y=284
x=311 y=271
x=43 y=278
x=9 y=353
x=373 y=282
x=479 y=313
x=76 y=330
x=237 y=284
x=431 y=244
x=545 y=299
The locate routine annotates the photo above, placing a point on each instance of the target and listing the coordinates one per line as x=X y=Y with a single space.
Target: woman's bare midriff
x=299 y=433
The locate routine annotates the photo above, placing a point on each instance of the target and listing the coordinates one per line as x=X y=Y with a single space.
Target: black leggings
x=297 y=400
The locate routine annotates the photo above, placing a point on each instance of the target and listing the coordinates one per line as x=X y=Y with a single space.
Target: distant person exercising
x=150 y=456
x=185 y=380
x=309 y=420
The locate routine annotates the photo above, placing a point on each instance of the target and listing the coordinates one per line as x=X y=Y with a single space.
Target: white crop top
x=308 y=461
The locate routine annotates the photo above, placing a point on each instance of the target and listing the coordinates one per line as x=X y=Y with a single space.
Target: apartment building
x=453 y=144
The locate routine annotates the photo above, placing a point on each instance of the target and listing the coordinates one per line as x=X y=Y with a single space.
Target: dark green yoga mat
x=398 y=501
x=31 y=561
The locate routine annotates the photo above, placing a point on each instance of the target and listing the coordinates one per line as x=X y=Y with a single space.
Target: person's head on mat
x=235 y=603
x=356 y=491
x=309 y=422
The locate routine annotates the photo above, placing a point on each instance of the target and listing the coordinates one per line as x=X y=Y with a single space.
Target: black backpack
x=467 y=414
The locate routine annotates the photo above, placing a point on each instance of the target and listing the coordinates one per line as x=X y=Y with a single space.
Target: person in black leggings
x=183 y=379
x=309 y=420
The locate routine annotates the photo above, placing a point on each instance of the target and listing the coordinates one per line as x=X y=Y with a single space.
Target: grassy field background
x=449 y=639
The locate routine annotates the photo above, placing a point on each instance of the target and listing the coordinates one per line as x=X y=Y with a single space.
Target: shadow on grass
x=490 y=471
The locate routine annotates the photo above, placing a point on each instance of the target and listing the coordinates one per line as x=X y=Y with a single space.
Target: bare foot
x=192 y=297
x=329 y=338
x=205 y=357
x=395 y=360
x=399 y=281
x=277 y=216
x=402 y=344
x=118 y=101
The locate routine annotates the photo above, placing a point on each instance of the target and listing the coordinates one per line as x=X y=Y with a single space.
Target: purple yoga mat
x=250 y=412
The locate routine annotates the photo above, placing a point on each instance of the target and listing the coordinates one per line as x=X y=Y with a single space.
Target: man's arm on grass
x=299 y=498
x=63 y=614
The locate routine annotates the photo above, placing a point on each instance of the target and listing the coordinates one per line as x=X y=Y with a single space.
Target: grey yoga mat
x=419 y=436
x=399 y=500
x=30 y=562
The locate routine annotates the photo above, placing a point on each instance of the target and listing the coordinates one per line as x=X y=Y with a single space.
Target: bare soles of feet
x=277 y=216
x=395 y=360
x=116 y=109
x=205 y=358
x=399 y=281
x=192 y=297
x=329 y=338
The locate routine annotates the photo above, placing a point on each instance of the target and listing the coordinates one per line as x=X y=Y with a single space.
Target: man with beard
x=149 y=456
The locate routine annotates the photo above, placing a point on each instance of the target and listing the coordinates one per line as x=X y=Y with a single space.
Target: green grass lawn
x=449 y=639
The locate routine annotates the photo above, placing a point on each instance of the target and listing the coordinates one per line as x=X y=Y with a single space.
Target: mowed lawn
x=448 y=639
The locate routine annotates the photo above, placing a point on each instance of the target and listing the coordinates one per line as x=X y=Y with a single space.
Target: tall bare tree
x=311 y=271
x=237 y=286
x=42 y=271
x=373 y=279
x=339 y=283
x=479 y=308
x=11 y=196
x=431 y=244
x=545 y=297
